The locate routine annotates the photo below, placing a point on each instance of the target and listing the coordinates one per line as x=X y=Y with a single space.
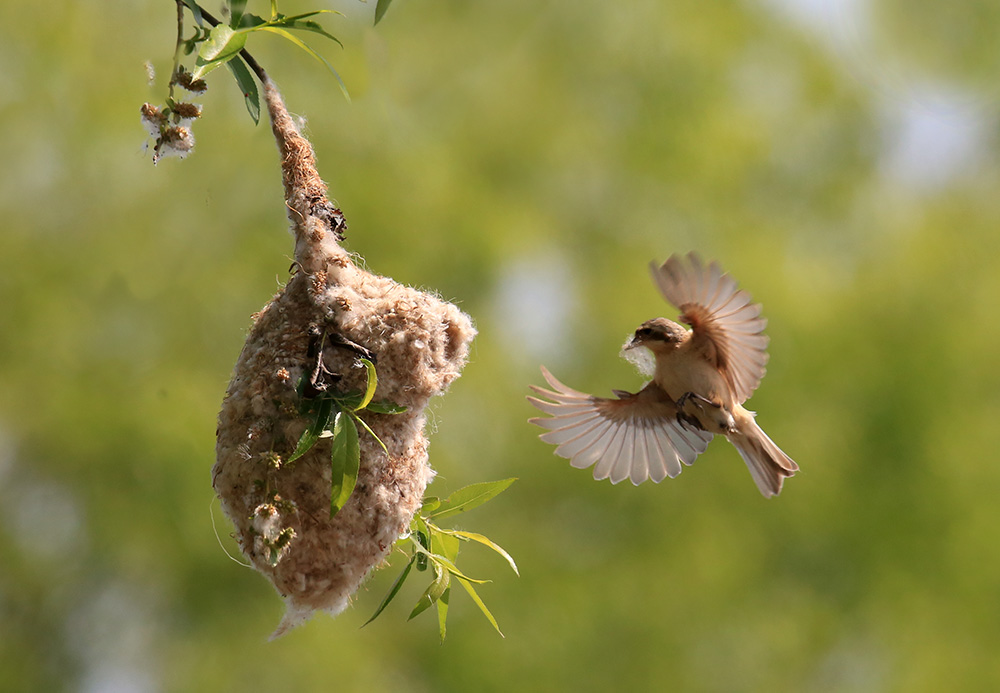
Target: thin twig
x=177 y=49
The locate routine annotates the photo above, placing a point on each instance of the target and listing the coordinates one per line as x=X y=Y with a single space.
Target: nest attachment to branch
x=281 y=511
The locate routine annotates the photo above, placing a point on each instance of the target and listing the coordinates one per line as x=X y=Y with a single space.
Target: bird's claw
x=698 y=400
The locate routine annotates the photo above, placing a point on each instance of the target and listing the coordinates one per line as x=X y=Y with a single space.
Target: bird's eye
x=644 y=331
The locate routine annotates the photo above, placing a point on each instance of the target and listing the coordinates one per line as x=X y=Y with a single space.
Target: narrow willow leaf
x=442 y=609
x=315 y=27
x=451 y=568
x=487 y=542
x=304 y=15
x=314 y=431
x=223 y=44
x=482 y=607
x=250 y=20
x=431 y=503
x=380 y=9
x=438 y=560
x=365 y=426
x=299 y=21
x=372 y=383
x=393 y=591
x=422 y=605
x=349 y=401
x=283 y=33
x=236 y=9
x=345 y=461
x=247 y=85
x=385 y=407
x=444 y=544
x=195 y=11
x=470 y=497
x=421 y=531
x=432 y=593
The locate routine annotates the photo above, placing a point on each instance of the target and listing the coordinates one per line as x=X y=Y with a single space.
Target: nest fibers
x=282 y=511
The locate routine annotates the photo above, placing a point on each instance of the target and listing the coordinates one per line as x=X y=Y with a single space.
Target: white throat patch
x=640 y=357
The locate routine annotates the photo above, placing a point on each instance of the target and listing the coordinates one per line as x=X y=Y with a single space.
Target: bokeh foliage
x=519 y=157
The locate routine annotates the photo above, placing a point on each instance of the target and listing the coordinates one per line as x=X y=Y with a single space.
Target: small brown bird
x=701 y=378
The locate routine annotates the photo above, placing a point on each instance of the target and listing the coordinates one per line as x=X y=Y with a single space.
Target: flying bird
x=701 y=378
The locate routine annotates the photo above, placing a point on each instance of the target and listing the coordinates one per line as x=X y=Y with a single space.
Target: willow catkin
x=281 y=511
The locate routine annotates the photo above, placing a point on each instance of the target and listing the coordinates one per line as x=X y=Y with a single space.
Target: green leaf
x=348 y=401
x=393 y=591
x=431 y=503
x=380 y=9
x=195 y=11
x=250 y=20
x=385 y=407
x=236 y=9
x=372 y=384
x=314 y=431
x=345 y=461
x=316 y=28
x=295 y=17
x=470 y=497
x=486 y=542
x=365 y=426
x=482 y=607
x=432 y=593
x=247 y=85
x=299 y=21
x=223 y=44
x=283 y=33
x=445 y=545
x=442 y=609
x=453 y=569
x=441 y=561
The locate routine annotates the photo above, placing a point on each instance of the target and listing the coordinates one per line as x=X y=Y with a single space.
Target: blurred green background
x=526 y=160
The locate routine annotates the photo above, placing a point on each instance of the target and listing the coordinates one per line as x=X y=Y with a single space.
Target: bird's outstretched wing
x=726 y=325
x=634 y=437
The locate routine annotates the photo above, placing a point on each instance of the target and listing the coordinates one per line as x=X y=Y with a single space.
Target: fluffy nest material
x=281 y=512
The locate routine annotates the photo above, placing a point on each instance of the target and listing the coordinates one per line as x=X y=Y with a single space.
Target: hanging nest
x=281 y=510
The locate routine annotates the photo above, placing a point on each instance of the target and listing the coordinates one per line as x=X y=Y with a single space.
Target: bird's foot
x=704 y=414
x=698 y=400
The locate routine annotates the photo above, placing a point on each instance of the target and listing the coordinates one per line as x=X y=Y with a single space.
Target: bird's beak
x=633 y=343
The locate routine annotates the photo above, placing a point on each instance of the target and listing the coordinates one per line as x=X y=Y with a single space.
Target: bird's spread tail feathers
x=768 y=465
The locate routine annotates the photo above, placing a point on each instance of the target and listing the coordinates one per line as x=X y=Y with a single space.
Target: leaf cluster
x=222 y=43
x=435 y=548
x=336 y=415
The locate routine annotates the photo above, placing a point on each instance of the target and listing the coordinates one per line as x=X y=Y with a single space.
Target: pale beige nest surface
x=280 y=510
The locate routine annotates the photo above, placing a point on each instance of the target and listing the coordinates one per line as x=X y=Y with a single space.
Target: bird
x=700 y=379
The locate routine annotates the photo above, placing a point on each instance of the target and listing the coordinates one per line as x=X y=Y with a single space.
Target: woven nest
x=281 y=511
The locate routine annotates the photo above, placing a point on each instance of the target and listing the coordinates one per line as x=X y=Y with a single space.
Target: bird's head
x=658 y=335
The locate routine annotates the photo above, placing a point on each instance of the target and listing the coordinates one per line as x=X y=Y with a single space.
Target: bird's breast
x=682 y=371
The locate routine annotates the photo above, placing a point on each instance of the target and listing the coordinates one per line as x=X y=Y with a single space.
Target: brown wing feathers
x=634 y=437
x=726 y=325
